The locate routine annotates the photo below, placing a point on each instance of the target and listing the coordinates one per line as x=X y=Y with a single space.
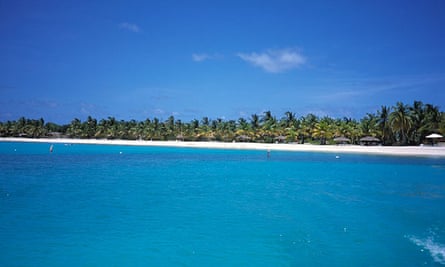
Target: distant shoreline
x=422 y=151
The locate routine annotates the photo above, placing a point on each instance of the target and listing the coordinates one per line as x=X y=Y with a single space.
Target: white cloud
x=199 y=57
x=275 y=61
x=159 y=111
x=87 y=108
x=129 y=27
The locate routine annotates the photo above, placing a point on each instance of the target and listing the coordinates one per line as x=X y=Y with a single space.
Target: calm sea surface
x=90 y=205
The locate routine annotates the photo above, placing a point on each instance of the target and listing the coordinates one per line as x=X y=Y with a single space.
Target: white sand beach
x=424 y=151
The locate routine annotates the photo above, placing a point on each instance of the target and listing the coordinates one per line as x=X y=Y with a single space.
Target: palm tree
x=343 y=128
x=433 y=118
x=132 y=130
x=417 y=114
x=205 y=132
x=216 y=129
x=100 y=129
x=75 y=128
x=383 y=124
x=194 y=129
x=307 y=126
x=267 y=115
x=255 y=121
x=148 y=130
x=89 y=127
x=401 y=122
x=269 y=127
x=35 y=128
x=178 y=128
x=170 y=131
x=289 y=119
x=356 y=131
x=370 y=125
x=19 y=127
x=140 y=130
x=121 y=130
x=112 y=128
x=229 y=130
x=11 y=128
x=323 y=130
x=243 y=127
x=442 y=123
x=3 y=129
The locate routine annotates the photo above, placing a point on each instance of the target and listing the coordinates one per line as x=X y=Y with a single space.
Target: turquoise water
x=89 y=205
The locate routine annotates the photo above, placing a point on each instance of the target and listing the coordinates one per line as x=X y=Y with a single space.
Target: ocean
x=93 y=205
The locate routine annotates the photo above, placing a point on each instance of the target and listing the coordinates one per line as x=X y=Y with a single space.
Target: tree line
x=400 y=124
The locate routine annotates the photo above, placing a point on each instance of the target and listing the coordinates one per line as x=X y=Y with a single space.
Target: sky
x=62 y=60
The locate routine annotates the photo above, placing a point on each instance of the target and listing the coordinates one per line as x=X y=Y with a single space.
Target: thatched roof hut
x=369 y=141
x=179 y=137
x=55 y=134
x=280 y=139
x=243 y=138
x=342 y=140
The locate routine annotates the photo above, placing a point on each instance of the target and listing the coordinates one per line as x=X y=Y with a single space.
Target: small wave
x=436 y=250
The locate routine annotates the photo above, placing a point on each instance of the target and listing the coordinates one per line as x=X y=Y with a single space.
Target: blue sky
x=222 y=59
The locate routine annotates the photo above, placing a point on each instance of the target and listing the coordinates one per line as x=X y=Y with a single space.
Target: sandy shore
x=424 y=151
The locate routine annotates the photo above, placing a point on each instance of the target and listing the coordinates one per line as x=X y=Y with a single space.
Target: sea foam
x=436 y=250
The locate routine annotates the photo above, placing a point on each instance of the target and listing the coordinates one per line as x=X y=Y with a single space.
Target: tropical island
x=399 y=125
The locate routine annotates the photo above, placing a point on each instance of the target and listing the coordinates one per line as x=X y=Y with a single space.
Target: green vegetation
x=398 y=125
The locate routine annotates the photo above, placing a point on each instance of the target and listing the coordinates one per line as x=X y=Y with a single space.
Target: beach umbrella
x=434 y=135
x=369 y=140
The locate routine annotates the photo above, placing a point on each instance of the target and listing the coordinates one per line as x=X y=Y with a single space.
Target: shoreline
x=420 y=151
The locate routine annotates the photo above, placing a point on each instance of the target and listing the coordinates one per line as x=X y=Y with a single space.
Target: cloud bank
x=129 y=27
x=275 y=61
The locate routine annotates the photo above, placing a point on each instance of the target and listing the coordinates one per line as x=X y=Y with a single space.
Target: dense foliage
x=398 y=125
